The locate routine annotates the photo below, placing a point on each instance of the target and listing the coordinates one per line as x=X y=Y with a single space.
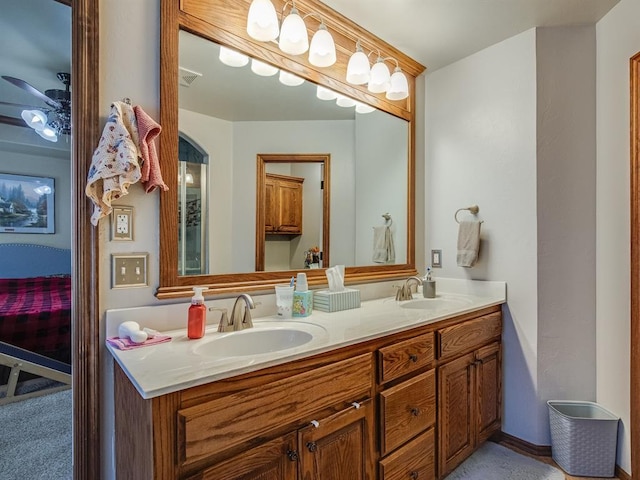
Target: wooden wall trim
x=522 y=445
x=84 y=318
x=635 y=262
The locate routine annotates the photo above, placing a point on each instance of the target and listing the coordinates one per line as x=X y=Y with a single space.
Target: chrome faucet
x=404 y=292
x=241 y=318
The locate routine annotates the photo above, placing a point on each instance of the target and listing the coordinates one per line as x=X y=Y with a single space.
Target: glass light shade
x=263 y=69
x=358 y=68
x=380 y=78
x=290 y=79
x=188 y=178
x=34 y=118
x=232 y=58
x=398 y=87
x=324 y=93
x=364 y=108
x=262 y=21
x=346 y=102
x=322 y=52
x=293 y=34
x=48 y=134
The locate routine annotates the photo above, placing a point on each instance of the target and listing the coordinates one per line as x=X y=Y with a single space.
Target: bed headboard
x=23 y=260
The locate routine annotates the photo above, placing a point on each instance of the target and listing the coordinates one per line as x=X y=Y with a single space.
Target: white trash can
x=584 y=438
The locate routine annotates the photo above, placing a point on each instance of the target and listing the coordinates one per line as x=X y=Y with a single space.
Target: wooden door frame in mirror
x=223 y=21
x=261 y=166
x=635 y=264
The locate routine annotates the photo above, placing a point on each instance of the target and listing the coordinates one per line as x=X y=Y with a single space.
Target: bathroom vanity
x=392 y=390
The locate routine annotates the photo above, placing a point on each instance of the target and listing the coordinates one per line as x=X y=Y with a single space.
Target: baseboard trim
x=540 y=450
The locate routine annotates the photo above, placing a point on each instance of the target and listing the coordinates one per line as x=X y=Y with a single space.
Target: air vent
x=187 y=77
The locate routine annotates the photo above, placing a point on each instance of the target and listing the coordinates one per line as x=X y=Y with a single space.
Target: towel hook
x=387 y=218
x=474 y=209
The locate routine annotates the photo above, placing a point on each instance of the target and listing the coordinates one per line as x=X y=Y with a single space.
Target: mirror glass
x=231 y=115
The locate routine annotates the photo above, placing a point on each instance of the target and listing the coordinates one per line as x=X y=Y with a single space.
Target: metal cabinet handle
x=312 y=446
x=293 y=455
x=415 y=411
x=413 y=475
x=413 y=357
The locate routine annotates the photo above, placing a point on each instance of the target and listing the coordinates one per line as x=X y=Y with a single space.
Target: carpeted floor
x=495 y=462
x=35 y=443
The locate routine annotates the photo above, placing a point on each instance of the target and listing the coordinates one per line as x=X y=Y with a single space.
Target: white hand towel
x=468 y=243
x=383 y=248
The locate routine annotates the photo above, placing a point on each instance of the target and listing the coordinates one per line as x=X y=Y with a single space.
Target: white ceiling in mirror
x=236 y=94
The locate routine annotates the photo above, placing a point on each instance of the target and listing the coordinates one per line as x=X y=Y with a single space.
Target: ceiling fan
x=50 y=122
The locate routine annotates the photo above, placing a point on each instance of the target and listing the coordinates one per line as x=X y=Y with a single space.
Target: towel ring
x=474 y=209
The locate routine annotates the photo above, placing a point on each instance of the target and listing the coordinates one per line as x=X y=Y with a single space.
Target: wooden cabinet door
x=270 y=220
x=290 y=207
x=456 y=414
x=274 y=460
x=340 y=447
x=489 y=390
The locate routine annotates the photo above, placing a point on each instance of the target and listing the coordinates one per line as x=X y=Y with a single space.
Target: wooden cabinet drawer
x=229 y=421
x=405 y=357
x=416 y=460
x=407 y=409
x=468 y=335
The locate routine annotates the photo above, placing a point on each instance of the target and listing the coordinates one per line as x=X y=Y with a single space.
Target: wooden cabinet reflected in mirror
x=292 y=211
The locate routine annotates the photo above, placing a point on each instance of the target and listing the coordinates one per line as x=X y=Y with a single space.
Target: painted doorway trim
x=85 y=288
x=635 y=264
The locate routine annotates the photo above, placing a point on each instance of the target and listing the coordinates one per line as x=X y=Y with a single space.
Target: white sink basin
x=261 y=339
x=436 y=303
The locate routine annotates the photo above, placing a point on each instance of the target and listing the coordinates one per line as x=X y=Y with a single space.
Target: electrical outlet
x=129 y=270
x=122 y=223
x=436 y=258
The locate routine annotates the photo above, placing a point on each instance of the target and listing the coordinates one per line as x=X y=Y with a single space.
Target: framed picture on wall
x=26 y=204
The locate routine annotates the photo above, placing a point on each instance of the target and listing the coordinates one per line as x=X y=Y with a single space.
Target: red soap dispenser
x=197 y=315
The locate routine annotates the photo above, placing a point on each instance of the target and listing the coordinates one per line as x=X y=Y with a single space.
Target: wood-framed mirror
x=293 y=211
x=223 y=23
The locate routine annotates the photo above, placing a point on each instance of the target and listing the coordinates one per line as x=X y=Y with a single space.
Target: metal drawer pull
x=356 y=405
x=312 y=446
x=315 y=423
x=413 y=475
x=293 y=455
x=413 y=357
x=415 y=412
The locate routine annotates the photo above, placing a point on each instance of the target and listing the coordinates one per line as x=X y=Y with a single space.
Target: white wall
x=481 y=149
x=618 y=39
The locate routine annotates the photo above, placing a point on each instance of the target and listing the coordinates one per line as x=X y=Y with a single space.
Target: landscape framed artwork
x=26 y=204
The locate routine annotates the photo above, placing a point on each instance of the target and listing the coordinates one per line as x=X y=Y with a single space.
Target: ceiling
x=434 y=32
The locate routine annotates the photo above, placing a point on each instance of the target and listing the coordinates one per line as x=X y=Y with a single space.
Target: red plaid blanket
x=35 y=314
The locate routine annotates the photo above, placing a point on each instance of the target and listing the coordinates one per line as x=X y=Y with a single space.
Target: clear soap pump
x=197 y=320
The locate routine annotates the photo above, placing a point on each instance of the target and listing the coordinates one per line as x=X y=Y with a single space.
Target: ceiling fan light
x=262 y=21
x=380 y=77
x=232 y=58
x=48 y=134
x=364 y=108
x=263 y=69
x=289 y=79
x=398 y=87
x=324 y=93
x=293 y=34
x=322 y=52
x=34 y=118
x=358 y=68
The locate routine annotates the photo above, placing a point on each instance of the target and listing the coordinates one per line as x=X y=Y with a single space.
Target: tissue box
x=327 y=301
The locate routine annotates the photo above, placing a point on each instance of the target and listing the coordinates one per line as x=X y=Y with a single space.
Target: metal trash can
x=584 y=438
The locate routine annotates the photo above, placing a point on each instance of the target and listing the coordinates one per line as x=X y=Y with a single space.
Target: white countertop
x=182 y=363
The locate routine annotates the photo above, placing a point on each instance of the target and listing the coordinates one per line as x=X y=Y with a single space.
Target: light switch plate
x=129 y=270
x=122 y=223
x=436 y=258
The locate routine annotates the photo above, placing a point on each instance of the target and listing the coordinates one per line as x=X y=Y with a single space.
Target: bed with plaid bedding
x=35 y=314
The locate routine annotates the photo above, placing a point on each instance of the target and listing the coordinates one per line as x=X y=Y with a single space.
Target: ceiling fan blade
x=32 y=90
x=20 y=105
x=17 y=122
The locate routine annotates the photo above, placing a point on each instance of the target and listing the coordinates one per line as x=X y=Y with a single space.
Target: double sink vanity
x=390 y=390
